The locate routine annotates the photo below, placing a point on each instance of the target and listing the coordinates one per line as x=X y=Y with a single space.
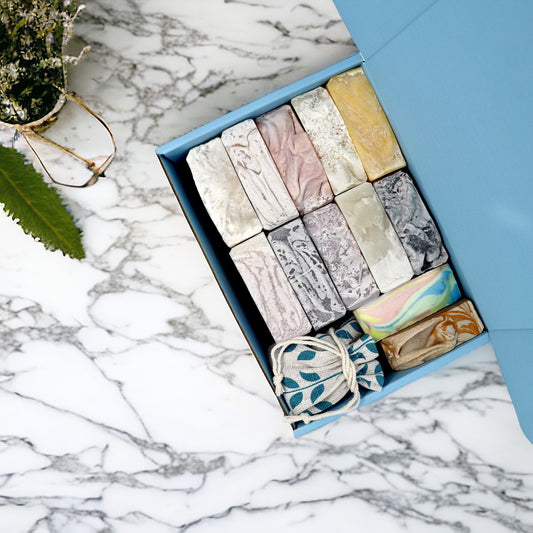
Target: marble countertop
x=129 y=401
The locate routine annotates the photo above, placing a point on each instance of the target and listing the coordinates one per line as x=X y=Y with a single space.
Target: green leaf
x=36 y=205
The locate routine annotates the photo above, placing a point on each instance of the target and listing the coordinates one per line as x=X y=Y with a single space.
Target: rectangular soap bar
x=270 y=289
x=307 y=274
x=258 y=174
x=434 y=336
x=325 y=127
x=342 y=256
x=222 y=192
x=376 y=237
x=409 y=303
x=296 y=159
x=411 y=220
x=366 y=122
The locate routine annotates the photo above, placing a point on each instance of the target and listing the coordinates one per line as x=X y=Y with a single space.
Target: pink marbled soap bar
x=296 y=159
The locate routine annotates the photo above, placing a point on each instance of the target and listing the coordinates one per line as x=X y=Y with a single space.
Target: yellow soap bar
x=366 y=123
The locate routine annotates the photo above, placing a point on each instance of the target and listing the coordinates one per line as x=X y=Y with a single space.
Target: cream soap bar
x=296 y=159
x=342 y=256
x=270 y=289
x=409 y=303
x=411 y=220
x=326 y=129
x=366 y=122
x=307 y=274
x=375 y=236
x=222 y=192
x=258 y=174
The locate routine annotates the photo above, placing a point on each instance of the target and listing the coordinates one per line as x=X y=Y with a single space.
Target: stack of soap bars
x=322 y=219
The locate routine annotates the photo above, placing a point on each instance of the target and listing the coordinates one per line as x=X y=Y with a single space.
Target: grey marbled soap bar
x=342 y=256
x=411 y=220
x=270 y=289
x=258 y=174
x=307 y=274
x=373 y=231
x=222 y=192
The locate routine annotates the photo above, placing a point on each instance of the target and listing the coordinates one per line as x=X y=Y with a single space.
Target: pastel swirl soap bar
x=296 y=159
x=366 y=122
x=409 y=303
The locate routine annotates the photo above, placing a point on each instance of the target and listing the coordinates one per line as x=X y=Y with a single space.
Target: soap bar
x=366 y=122
x=307 y=274
x=270 y=289
x=436 y=335
x=258 y=174
x=375 y=236
x=296 y=159
x=342 y=256
x=409 y=303
x=411 y=220
x=326 y=129
x=222 y=192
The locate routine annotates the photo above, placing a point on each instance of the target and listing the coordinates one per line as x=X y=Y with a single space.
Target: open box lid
x=456 y=81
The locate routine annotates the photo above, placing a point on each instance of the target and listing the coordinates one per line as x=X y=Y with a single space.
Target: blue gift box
x=455 y=81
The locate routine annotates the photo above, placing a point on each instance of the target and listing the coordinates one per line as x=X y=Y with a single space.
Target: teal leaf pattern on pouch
x=296 y=399
x=310 y=376
x=317 y=392
x=306 y=355
x=343 y=334
x=290 y=383
x=313 y=380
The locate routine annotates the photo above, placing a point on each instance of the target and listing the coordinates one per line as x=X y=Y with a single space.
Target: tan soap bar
x=366 y=122
x=434 y=336
x=222 y=192
x=373 y=231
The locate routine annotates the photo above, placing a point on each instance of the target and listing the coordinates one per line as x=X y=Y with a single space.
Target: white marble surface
x=129 y=400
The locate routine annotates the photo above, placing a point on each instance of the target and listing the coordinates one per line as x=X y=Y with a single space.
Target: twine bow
x=315 y=373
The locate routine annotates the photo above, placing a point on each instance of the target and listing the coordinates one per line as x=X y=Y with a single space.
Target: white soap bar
x=259 y=175
x=373 y=231
x=270 y=289
x=222 y=192
x=325 y=127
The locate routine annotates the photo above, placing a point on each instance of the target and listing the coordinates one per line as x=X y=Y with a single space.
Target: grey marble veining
x=130 y=402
